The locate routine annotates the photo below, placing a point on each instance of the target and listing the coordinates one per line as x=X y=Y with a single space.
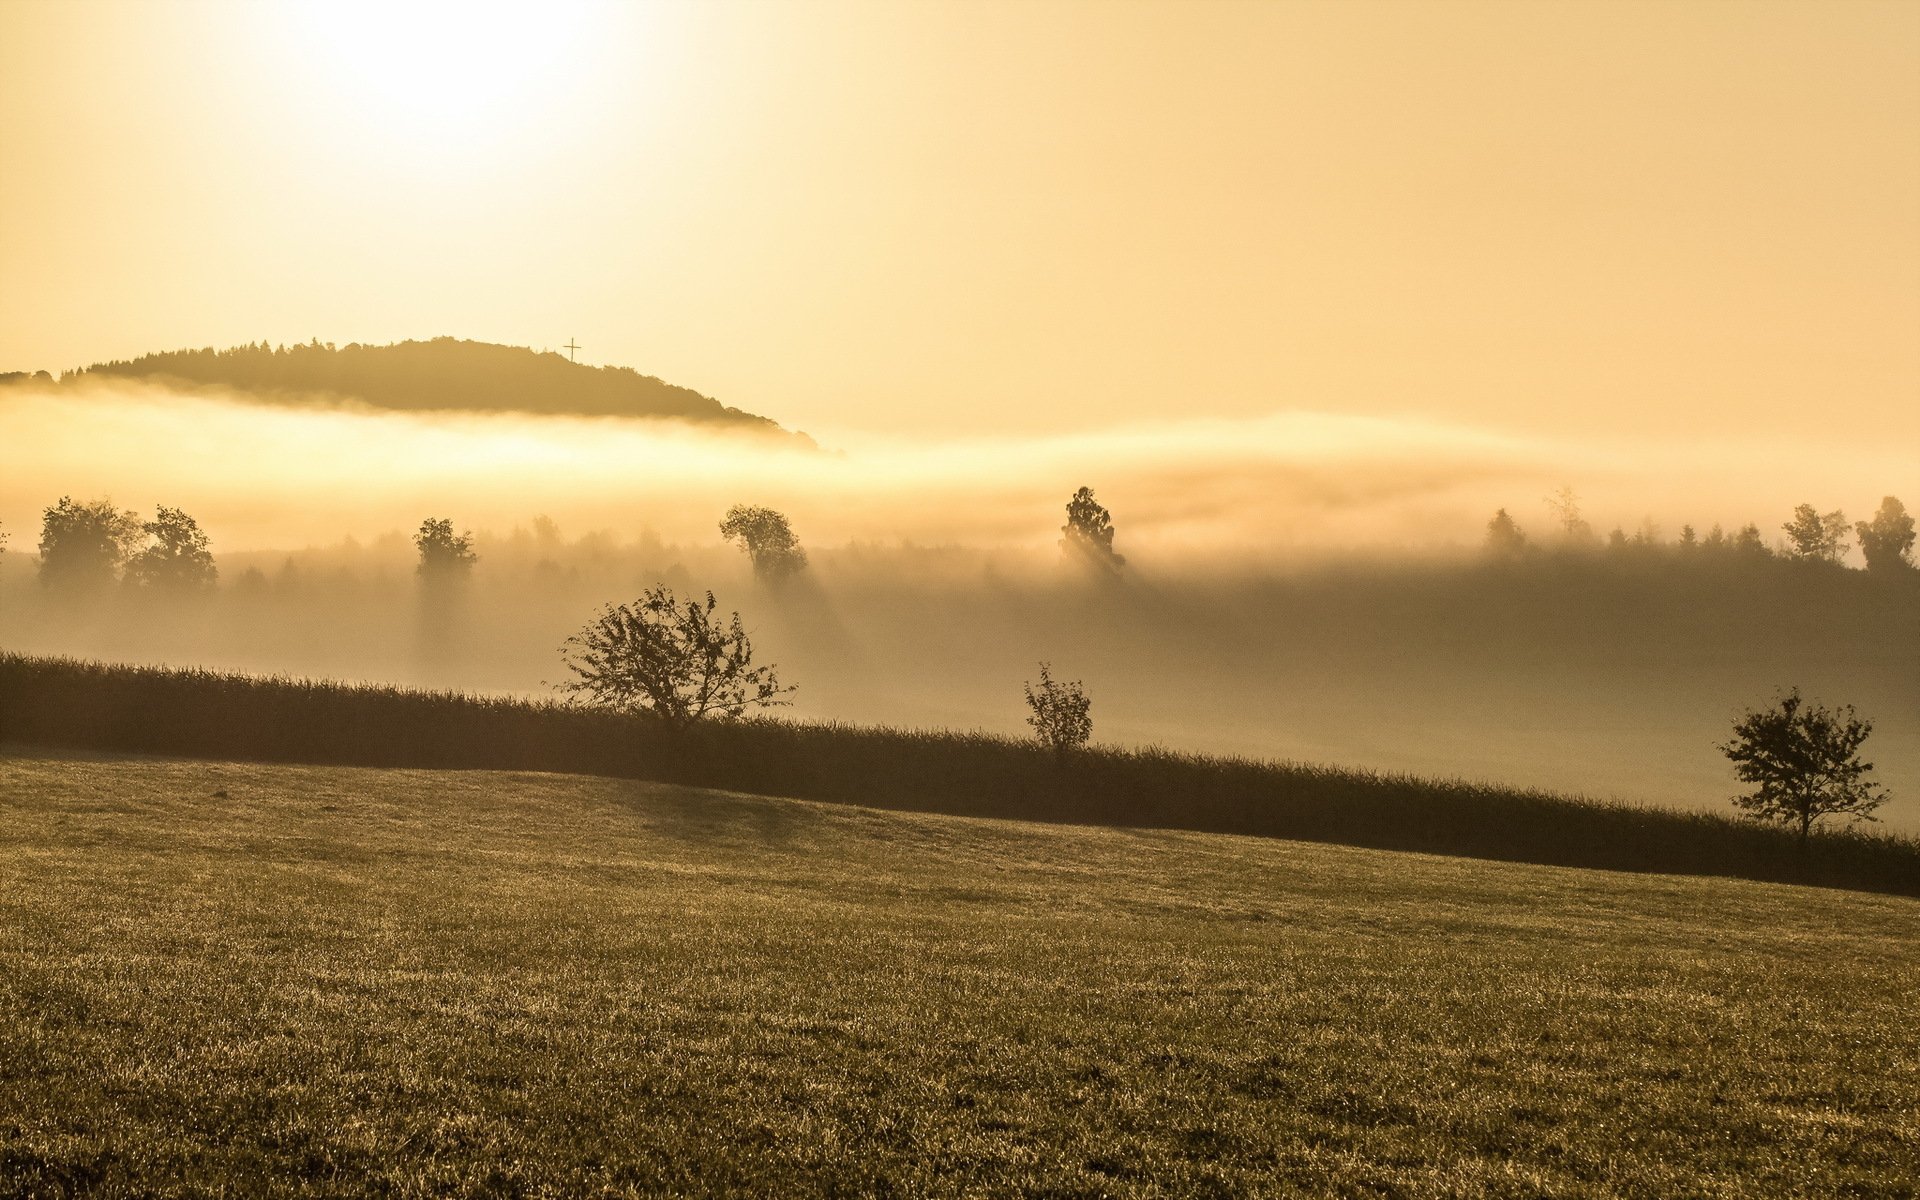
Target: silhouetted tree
x=1505 y=539
x=1689 y=540
x=443 y=554
x=83 y=545
x=669 y=660
x=1804 y=761
x=1060 y=713
x=176 y=556
x=1814 y=537
x=1565 y=506
x=1887 y=540
x=546 y=534
x=1089 y=533
x=1749 y=544
x=767 y=540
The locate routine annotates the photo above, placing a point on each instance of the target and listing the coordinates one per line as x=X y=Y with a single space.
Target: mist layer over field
x=261 y=476
x=1302 y=587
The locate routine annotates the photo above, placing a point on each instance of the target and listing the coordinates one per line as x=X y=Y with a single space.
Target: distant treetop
x=444 y=373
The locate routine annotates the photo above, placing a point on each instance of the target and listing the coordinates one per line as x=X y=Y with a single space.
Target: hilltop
x=444 y=373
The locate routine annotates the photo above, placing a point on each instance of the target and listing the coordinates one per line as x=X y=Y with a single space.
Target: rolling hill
x=443 y=373
x=335 y=980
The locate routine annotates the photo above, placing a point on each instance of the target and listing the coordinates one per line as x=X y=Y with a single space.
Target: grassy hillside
x=324 y=979
x=58 y=702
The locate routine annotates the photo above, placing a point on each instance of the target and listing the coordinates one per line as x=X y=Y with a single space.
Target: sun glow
x=435 y=75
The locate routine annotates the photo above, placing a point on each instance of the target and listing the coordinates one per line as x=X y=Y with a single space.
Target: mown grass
x=59 y=702
x=221 y=978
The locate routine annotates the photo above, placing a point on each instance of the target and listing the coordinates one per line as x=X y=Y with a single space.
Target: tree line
x=87 y=545
x=1809 y=536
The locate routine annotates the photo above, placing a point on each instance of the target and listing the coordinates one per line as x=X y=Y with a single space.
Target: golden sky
x=1664 y=220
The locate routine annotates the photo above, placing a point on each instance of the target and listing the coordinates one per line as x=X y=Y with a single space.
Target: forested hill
x=445 y=373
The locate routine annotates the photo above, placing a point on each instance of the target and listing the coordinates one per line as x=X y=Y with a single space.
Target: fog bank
x=261 y=476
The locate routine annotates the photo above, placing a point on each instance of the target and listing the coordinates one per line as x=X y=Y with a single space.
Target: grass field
x=306 y=980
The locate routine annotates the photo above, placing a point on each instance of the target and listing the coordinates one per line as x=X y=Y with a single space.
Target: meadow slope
x=306 y=980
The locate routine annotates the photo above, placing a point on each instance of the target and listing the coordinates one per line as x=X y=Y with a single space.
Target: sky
x=1674 y=222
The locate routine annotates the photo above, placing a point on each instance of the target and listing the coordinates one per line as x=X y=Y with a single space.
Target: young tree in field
x=1059 y=713
x=1089 y=533
x=1816 y=537
x=674 y=661
x=1804 y=762
x=767 y=539
x=83 y=545
x=444 y=554
x=1505 y=539
x=176 y=557
x=1887 y=540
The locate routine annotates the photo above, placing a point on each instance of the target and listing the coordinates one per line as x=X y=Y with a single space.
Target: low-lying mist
x=1305 y=587
x=261 y=476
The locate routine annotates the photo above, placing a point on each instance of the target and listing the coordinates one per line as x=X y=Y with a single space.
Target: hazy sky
x=1653 y=219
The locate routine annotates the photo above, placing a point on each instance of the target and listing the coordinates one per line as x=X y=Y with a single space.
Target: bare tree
x=1060 y=713
x=671 y=660
x=767 y=539
x=1804 y=762
x=1565 y=507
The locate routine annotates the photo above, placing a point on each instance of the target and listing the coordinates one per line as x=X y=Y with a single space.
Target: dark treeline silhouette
x=444 y=373
x=62 y=703
x=1808 y=537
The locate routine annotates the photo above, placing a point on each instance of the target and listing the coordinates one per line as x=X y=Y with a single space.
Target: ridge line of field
x=203 y=714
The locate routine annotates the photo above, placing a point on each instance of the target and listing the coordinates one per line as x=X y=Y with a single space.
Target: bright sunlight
x=431 y=74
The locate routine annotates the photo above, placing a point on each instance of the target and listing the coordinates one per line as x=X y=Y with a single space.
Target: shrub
x=1060 y=716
